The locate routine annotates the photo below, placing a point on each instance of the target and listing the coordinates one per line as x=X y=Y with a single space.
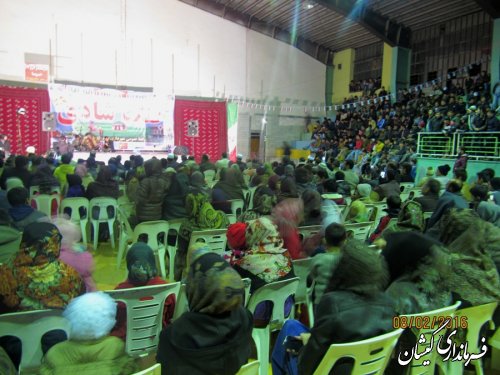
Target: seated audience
x=353 y=308
x=75 y=186
x=21 y=213
x=390 y=187
x=288 y=189
x=19 y=170
x=358 y=213
x=410 y=218
x=304 y=180
x=229 y=187
x=9 y=238
x=206 y=165
x=312 y=208
x=82 y=171
x=264 y=201
x=201 y=216
x=324 y=264
x=451 y=198
x=214 y=336
x=393 y=209
x=461 y=174
x=441 y=173
x=64 y=169
x=349 y=175
x=430 y=195
x=174 y=203
x=104 y=185
x=90 y=350
x=495 y=189
x=197 y=185
x=486 y=210
x=43 y=178
x=288 y=215
x=142 y=271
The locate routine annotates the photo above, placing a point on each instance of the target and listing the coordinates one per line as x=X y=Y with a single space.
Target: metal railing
x=480 y=145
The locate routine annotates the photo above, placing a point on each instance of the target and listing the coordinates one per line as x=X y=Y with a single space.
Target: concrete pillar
x=343 y=73
x=396 y=68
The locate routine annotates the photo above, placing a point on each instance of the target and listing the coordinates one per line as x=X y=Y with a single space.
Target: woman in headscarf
x=44 y=179
x=198 y=185
x=353 y=308
x=75 y=187
x=104 y=185
x=229 y=187
x=90 y=349
x=201 y=216
x=288 y=215
x=265 y=258
x=37 y=279
x=274 y=183
x=141 y=266
x=214 y=337
x=264 y=200
x=410 y=218
x=473 y=244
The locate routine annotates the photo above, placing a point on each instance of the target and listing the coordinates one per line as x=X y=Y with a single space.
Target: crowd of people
x=368 y=86
x=421 y=260
x=430 y=248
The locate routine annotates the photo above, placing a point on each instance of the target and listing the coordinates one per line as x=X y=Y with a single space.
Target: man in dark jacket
x=20 y=170
x=21 y=213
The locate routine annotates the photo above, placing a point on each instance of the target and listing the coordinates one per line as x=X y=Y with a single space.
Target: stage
x=105 y=156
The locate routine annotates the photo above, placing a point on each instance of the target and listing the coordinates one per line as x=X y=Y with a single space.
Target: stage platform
x=105 y=156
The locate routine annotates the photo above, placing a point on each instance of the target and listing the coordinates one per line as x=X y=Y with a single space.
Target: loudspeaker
x=48 y=121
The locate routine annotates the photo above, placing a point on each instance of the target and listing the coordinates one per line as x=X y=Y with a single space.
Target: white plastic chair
x=251 y=368
x=29 y=327
x=309 y=231
x=43 y=203
x=310 y=302
x=125 y=236
x=381 y=207
x=145 y=307
x=248 y=284
x=301 y=268
x=152 y=229
x=153 y=370
x=476 y=317
x=360 y=230
x=370 y=356
x=494 y=342
x=74 y=205
x=35 y=189
x=277 y=292
x=250 y=195
x=416 y=367
x=173 y=225
x=237 y=206
x=181 y=303
x=215 y=239
x=103 y=203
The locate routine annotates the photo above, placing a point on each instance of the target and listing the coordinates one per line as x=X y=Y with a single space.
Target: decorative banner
x=232 y=129
x=128 y=116
x=36 y=72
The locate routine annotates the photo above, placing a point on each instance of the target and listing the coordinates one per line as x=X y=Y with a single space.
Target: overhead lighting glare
x=308 y=5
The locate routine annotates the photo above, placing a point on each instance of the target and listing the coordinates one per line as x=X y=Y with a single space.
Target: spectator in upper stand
x=342 y=186
x=151 y=192
x=462 y=160
x=442 y=173
x=223 y=162
x=461 y=174
x=430 y=192
x=324 y=264
x=435 y=123
x=206 y=165
x=21 y=212
x=451 y=198
x=20 y=171
x=349 y=175
x=390 y=187
x=405 y=175
x=64 y=169
x=495 y=189
x=492 y=122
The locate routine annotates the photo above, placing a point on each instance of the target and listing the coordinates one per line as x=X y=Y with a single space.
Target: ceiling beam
x=490 y=7
x=379 y=25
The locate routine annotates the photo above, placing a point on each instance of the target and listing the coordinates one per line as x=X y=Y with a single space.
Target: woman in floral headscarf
x=37 y=279
x=265 y=259
x=410 y=218
x=263 y=202
x=201 y=216
x=214 y=336
x=142 y=271
x=287 y=215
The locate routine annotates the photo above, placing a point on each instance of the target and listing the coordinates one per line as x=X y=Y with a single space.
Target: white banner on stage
x=138 y=119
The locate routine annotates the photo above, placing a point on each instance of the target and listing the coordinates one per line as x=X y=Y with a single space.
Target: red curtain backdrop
x=24 y=131
x=211 y=119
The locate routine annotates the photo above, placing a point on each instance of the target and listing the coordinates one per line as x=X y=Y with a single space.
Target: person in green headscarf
x=410 y=218
x=264 y=200
x=201 y=216
x=214 y=336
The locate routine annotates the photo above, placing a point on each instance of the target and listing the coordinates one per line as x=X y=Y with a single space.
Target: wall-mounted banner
x=127 y=116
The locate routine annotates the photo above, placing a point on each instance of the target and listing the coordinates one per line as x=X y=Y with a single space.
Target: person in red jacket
x=142 y=271
x=287 y=215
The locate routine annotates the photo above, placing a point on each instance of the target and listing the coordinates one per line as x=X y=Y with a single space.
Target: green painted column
x=329 y=89
x=495 y=56
x=396 y=68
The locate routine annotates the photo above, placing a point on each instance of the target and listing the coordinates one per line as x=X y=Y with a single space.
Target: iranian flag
x=232 y=129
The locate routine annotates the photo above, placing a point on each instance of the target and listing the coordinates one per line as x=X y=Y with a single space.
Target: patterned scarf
x=141 y=264
x=212 y=286
x=266 y=258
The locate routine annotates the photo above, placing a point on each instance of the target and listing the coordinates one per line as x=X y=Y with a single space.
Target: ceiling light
x=308 y=5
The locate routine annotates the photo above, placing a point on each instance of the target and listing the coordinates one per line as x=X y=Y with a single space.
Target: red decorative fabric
x=24 y=131
x=211 y=124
